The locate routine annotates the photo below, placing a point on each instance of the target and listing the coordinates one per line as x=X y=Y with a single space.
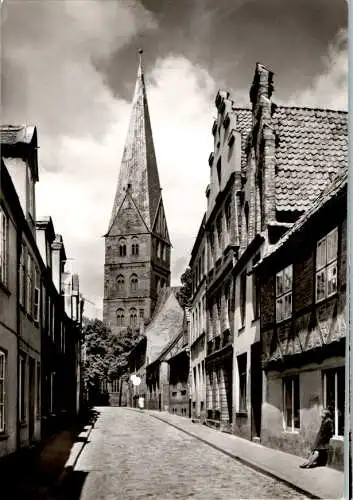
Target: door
x=31 y=399
x=256 y=390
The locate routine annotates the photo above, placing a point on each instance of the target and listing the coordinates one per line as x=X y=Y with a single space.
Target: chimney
x=58 y=261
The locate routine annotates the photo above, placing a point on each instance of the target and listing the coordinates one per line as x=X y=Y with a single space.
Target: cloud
x=330 y=88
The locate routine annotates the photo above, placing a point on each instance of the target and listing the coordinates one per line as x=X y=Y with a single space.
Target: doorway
x=256 y=390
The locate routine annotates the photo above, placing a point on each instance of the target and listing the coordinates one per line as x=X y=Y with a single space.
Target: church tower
x=137 y=244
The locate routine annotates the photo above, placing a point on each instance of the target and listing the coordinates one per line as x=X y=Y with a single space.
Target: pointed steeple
x=138 y=171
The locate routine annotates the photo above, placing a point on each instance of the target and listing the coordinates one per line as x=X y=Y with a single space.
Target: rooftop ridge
x=311 y=108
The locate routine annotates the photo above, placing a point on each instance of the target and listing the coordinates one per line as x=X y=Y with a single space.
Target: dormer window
x=226 y=121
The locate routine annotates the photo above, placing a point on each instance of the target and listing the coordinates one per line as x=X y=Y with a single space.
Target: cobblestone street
x=131 y=455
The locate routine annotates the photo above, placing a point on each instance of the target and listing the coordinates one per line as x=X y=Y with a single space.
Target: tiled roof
x=244 y=125
x=331 y=191
x=312 y=147
x=13 y=134
x=165 y=324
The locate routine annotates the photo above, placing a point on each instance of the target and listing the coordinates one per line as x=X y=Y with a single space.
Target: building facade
x=137 y=243
x=222 y=230
x=303 y=326
x=26 y=284
x=197 y=326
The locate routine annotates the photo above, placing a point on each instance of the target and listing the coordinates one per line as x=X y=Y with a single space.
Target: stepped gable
x=311 y=148
x=165 y=325
x=244 y=126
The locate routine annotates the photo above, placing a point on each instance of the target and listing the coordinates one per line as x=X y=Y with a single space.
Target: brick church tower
x=137 y=244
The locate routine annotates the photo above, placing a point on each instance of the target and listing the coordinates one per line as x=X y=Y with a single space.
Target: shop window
x=334 y=396
x=242 y=362
x=326 y=266
x=291 y=403
x=284 y=283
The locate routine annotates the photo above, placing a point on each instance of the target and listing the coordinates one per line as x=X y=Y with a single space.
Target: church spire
x=138 y=171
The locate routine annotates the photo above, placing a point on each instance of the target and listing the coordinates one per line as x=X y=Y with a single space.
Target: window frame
x=328 y=265
x=283 y=294
x=133 y=317
x=242 y=297
x=4 y=245
x=3 y=395
x=242 y=363
x=120 y=283
x=120 y=317
x=294 y=382
x=134 y=283
x=334 y=371
x=122 y=247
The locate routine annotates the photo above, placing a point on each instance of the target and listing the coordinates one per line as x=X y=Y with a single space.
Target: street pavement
x=130 y=455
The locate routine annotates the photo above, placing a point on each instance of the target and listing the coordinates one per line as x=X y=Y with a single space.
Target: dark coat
x=324 y=435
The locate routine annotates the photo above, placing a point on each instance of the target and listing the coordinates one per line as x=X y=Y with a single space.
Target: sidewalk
x=35 y=473
x=320 y=482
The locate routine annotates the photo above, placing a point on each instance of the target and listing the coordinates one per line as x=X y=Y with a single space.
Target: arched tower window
x=133 y=283
x=122 y=247
x=120 y=282
x=120 y=317
x=135 y=247
x=133 y=317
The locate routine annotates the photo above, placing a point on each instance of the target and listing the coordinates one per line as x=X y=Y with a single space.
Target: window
x=4 y=224
x=74 y=308
x=334 y=389
x=228 y=212
x=142 y=313
x=120 y=317
x=291 y=403
x=30 y=187
x=122 y=247
x=219 y=171
x=284 y=281
x=115 y=385
x=23 y=274
x=133 y=317
x=164 y=252
x=22 y=388
x=242 y=362
x=255 y=289
x=219 y=226
x=38 y=390
x=242 y=298
x=2 y=390
x=29 y=284
x=133 y=283
x=120 y=283
x=36 y=302
x=134 y=247
x=326 y=266
x=52 y=332
x=162 y=283
x=51 y=392
x=158 y=249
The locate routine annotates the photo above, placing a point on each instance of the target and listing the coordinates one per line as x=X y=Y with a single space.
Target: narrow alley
x=131 y=455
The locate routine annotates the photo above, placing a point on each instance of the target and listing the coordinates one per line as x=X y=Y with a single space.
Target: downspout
x=18 y=325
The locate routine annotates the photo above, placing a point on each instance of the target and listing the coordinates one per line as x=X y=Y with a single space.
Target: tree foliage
x=105 y=355
x=185 y=292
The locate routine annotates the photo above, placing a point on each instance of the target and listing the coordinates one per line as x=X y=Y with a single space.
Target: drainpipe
x=18 y=325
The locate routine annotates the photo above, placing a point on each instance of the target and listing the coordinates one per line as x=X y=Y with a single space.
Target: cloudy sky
x=69 y=67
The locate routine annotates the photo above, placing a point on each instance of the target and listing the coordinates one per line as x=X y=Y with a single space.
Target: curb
x=242 y=461
x=72 y=461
